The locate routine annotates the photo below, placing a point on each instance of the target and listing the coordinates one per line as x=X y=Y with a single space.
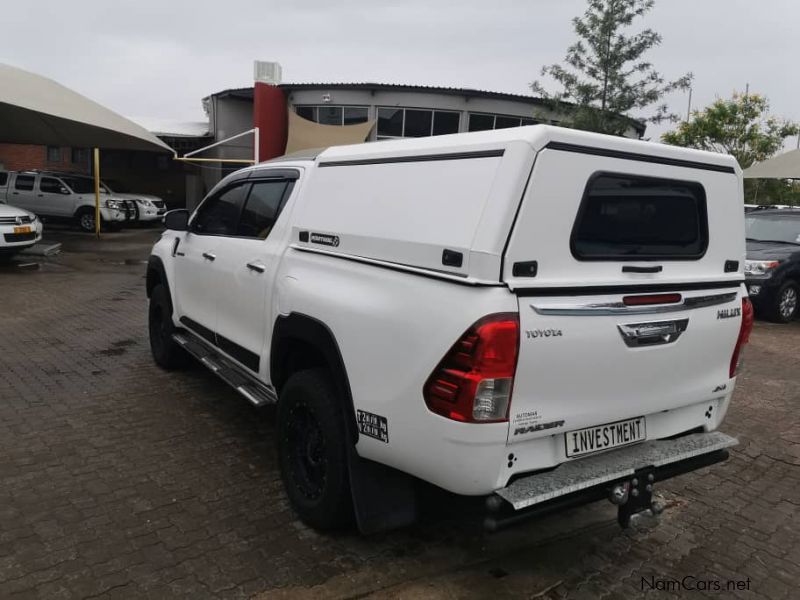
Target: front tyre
x=85 y=220
x=312 y=450
x=785 y=303
x=166 y=352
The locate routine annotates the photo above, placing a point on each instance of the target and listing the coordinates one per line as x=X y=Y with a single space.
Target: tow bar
x=625 y=477
x=635 y=496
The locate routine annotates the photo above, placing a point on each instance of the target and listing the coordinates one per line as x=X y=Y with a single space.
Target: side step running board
x=254 y=391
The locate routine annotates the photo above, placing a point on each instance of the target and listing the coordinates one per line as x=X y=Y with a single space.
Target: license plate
x=24 y=229
x=605 y=437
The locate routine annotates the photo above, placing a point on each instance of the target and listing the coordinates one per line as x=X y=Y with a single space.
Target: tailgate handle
x=632 y=269
x=655 y=333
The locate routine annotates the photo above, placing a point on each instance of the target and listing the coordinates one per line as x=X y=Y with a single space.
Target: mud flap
x=383 y=498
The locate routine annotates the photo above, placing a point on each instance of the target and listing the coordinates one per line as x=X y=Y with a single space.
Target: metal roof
x=246 y=93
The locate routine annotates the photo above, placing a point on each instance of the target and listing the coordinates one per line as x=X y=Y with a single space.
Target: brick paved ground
x=118 y=480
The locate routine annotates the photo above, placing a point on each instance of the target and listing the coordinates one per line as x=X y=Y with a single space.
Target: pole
x=689 y=109
x=97 y=192
x=255 y=145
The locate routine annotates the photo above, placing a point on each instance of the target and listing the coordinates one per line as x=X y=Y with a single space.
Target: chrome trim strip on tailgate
x=583 y=473
x=618 y=308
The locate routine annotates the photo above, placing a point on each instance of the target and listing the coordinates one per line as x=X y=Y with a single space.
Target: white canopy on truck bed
x=448 y=203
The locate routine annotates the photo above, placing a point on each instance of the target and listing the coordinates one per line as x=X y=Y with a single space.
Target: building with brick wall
x=19 y=157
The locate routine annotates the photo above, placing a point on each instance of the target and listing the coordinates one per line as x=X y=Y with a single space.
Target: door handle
x=209 y=256
x=257 y=267
x=652 y=334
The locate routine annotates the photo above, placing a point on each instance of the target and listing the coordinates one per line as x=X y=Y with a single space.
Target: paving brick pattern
x=120 y=480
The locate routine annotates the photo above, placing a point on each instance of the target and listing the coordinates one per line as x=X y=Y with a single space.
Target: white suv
x=19 y=229
x=539 y=316
x=148 y=208
x=64 y=196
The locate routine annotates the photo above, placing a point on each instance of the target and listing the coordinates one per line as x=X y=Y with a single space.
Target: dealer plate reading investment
x=605 y=437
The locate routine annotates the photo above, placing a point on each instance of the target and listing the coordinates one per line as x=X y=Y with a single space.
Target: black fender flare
x=311 y=331
x=156 y=273
x=383 y=498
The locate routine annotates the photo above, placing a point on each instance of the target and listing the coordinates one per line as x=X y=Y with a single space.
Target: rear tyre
x=312 y=451
x=166 y=353
x=85 y=219
x=785 y=303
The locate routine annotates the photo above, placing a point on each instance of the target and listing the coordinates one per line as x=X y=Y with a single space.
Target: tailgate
x=590 y=360
x=634 y=306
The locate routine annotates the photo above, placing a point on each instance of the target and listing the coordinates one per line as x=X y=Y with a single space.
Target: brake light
x=651 y=299
x=473 y=382
x=744 y=335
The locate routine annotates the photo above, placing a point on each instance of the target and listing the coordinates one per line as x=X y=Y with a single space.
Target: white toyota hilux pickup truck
x=540 y=316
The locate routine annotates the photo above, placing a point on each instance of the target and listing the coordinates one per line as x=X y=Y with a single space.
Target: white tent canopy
x=37 y=110
x=783 y=166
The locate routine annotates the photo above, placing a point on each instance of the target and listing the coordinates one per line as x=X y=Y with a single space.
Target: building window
x=418 y=123
x=415 y=122
x=330 y=115
x=53 y=154
x=333 y=115
x=355 y=114
x=80 y=156
x=484 y=122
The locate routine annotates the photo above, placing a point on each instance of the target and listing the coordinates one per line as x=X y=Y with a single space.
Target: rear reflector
x=651 y=299
x=473 y=382
x=744 y=336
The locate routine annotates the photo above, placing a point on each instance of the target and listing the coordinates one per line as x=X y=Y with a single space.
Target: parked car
x=64 y=196
x=772 y=269
x=538 y=316
x=19 y=229
x=148 y=208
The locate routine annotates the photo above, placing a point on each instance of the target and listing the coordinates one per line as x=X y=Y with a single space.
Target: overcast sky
x=158 y=58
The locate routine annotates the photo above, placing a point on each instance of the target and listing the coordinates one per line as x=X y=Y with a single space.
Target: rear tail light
x=744 y=335
x=473 y=382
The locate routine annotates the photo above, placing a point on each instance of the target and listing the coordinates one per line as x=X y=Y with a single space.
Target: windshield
x=83 y=185
x=773 y=228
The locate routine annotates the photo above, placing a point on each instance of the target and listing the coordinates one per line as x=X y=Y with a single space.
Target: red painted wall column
x=269 y=115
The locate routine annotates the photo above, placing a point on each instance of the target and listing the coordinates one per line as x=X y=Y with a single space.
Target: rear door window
x=627 y=217
x=262 y=208
x=24 y=182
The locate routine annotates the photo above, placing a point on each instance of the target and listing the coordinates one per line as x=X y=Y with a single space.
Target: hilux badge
x=729 y=313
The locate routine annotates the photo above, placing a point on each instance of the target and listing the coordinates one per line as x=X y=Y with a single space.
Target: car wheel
x=785 y=303
x=85 y=219
x=312 y=451
x=166 y=353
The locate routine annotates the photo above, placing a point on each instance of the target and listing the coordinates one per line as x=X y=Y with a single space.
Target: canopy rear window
x=627 y=217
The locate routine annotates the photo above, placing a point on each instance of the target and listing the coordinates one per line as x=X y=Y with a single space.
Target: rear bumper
x=590 y=479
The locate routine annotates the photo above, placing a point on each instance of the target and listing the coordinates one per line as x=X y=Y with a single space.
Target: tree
x=740 y=126
x=606 y=77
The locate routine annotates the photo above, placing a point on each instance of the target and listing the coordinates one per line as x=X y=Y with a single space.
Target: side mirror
x=177 y=220
x=64 y=190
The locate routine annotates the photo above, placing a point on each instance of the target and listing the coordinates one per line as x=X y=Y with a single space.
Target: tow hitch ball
x=635 y=496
